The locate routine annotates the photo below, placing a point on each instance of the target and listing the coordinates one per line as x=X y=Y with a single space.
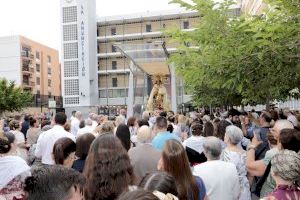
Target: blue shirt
x=160 y=139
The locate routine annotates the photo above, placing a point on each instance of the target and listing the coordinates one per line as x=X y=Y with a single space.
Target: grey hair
x=78 y=114
x=145 y=115
x=120 y=120
x=212 y=148
x=88 y=122
x=283 y=124
x=234 y=134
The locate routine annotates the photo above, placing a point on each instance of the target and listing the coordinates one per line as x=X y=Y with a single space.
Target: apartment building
x=33 y=66
x=140 y=28
x=95 y=74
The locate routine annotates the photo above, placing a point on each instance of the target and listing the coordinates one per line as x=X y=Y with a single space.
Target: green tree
x=242 y=59
x=12 y=98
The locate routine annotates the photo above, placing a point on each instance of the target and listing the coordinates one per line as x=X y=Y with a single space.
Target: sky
x=39 y=20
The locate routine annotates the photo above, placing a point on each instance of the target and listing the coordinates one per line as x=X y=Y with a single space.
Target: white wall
x=10 y=67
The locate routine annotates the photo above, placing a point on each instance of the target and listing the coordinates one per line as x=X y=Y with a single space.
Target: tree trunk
x=268 y=104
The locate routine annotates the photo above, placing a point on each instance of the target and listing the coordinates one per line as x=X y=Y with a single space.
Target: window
x=113 y=31
x=37 y=55
x=113 y=48
x=186 y=25
x=98 y=32
x=114 y=64
x=38 y=67
x=49 y=83
x=102 y=93
x=114 y=82
x=49 y=70
x=38 y=80
x=148 y=28
x=49 y=59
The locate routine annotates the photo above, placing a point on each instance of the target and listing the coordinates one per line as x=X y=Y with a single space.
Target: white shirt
x=195 y=143
x=291 y=118
x=75 y=126
x=46 y=141
x=95 y=124
x=220 y=179
x=86 y=129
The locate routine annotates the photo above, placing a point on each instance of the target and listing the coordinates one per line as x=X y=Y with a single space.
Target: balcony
x=27 y=54
x=114 y=71
x=28 y=84
x=121 y=37
x=26 y=70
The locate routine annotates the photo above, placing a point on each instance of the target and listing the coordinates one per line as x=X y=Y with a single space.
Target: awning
x=150 y=58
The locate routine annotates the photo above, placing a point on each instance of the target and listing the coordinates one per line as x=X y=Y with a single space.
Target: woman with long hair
x=107 y=169
x=83 y=143
x=174 y=160
x=123 y=134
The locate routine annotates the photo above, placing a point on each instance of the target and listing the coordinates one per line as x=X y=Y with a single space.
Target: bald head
x=280 y=125
x=144 y=134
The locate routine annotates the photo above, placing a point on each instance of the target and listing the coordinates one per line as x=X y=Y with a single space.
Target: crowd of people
x=229 y=155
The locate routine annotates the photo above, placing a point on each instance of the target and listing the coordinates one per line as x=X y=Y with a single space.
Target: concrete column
x=130 y=99
x=173 y=88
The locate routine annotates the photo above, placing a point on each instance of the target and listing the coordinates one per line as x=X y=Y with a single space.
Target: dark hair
x=138 y=194
x=161 y=122
x=45 y=122
x=290 y=139
x=107 y=169
x=26 y=117
x=171 y=119
x=6 y=139
x=175 y=161
x=32 y=121
x=271 y=138
x=142 y=122
x=274 y=115
x=221 y=129
x=160 y=181
x=131 y=121
x=266 y=116
x=14 y=124
x=62 y=148
x=52 y=183
x=60 y=118
x=208 y=129
x=82 y=124
x=163 y=114
x=123 y=134
x=233 y=112
x=170 y=128
x=83 y=144
x=197 y=128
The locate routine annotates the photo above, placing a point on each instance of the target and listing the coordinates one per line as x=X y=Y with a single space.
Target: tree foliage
x=12 y=98
x=239 y=59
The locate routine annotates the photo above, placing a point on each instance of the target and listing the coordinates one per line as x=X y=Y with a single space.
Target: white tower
x=79 y=51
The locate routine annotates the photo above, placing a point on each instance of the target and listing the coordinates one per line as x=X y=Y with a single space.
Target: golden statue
x=158 y=98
